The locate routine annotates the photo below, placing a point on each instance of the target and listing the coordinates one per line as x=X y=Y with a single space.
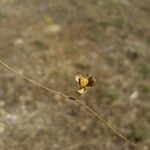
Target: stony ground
x=51 y=40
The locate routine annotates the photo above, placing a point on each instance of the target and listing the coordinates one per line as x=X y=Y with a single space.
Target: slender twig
x=71 y=98
x=34 y=82
x=109 y=126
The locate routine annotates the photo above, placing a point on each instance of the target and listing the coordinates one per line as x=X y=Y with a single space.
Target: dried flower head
x=84 y=82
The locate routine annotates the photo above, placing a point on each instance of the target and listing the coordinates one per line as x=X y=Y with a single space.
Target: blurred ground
x=51 y=40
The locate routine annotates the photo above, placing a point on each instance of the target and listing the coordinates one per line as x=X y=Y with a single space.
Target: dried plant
x=84 y=81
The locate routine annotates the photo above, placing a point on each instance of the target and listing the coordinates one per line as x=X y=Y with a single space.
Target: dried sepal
x=81 y=91
x=77 y=77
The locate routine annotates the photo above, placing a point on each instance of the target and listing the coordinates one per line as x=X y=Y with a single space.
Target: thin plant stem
x=71 y=98
x=109 y=126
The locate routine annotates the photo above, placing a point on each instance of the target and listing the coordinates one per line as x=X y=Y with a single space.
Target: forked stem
x=71 y=98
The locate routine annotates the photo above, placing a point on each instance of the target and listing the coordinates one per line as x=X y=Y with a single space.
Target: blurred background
x=51 y=40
